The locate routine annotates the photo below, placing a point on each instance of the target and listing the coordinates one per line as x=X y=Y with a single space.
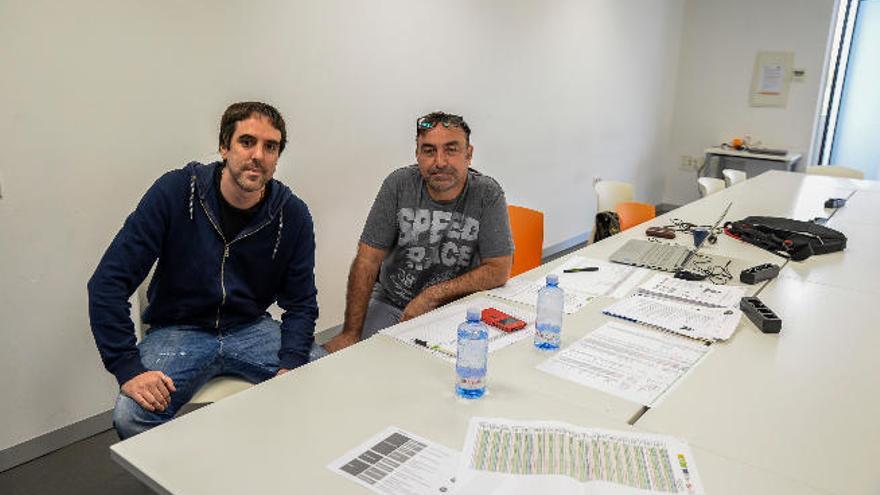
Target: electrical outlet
x=689 y=162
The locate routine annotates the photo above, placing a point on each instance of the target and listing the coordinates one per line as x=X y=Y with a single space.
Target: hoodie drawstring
x=278 y=237
x=192 y=194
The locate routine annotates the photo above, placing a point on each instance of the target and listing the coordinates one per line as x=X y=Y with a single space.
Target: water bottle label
x=471 y=382
x=547 y=336
x=472 y=353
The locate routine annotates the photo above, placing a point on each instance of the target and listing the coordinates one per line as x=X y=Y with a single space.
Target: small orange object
x=737 y=143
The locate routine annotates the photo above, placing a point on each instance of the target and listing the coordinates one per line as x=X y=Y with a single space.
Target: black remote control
x=762 y=316
x=835 y=202
x=759 y=273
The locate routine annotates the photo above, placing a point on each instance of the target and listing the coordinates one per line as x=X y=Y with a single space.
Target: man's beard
x=246 y=184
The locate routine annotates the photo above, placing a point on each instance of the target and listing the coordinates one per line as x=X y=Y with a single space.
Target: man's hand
x=420 y=305
x=340 y=341
x=151 y=390
x=282 y=371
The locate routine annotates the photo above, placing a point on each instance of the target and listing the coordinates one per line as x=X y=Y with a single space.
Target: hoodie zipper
x=226 y=255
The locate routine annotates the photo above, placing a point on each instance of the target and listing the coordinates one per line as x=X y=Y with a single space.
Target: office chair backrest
x=709 y=185
x=632 y=213
x=609 y=193
x=732 y=176
x=527 y=227
x=835 y=171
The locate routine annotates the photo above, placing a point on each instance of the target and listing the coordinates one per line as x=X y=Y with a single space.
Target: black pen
x=584 y=269
x=436 y=348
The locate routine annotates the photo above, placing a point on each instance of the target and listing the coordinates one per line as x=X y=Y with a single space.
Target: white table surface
x=791 y=413
x=862 y=208
x=280 y=435
x=802 y=403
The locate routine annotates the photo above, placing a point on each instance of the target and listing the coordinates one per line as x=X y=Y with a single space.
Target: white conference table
x=801 y=403
x=280 y=435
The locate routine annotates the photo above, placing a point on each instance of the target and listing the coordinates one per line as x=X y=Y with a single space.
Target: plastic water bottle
x=548 y=326
x=470 y=363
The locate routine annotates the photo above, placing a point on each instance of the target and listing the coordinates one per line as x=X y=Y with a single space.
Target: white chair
x=609 y=193
x=835 y=171
x=709 y=185
x=218 y=387
x=732 y=176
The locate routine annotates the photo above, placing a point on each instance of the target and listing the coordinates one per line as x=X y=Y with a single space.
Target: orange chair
x=527 y=227
x=632 y=213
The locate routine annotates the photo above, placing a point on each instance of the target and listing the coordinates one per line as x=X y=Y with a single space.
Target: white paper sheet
x=526 y=292
x=439 y=328
x=528 y=457
x=702 y=293
x=699 y=322
x=635 y=364
x=395 y=462
x=611 y=279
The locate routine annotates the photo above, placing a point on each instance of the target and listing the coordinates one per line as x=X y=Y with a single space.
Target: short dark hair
x=428 y=122
x=244 y=110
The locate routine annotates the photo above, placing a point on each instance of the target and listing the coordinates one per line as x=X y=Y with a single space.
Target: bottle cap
x=553 y=279
x=473 y=314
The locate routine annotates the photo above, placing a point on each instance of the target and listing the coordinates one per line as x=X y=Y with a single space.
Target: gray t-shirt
x=428 y=241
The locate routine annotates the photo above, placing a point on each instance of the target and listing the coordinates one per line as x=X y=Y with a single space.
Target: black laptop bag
x=786 y=237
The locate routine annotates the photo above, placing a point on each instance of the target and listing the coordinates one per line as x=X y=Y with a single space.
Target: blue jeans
x=191 y=356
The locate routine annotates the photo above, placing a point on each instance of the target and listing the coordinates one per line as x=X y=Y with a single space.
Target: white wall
x=719 y=42
x=99 y=98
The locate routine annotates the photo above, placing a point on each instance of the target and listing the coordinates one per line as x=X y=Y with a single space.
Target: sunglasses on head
x=431 y=121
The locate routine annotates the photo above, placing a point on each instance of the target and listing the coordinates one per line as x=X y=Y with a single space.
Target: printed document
x=611 y=279
x=702 y=293
x=437 y=331
x=395 y=462
x=528 y=457
x=698 y=310
x=634 y=364
x=690 y=320
x=525 y=292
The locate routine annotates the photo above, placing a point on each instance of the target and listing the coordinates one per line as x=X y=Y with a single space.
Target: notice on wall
x=771 y=78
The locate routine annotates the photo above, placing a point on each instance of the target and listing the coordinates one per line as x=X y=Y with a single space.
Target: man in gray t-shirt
x=437 y=231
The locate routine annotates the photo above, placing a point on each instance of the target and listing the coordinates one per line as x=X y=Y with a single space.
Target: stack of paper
x=437 y=331
x=631 y=363
x=693 y=309
x=580 y=288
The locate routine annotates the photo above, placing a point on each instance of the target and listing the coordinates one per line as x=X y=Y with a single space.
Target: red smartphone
x=504 y=321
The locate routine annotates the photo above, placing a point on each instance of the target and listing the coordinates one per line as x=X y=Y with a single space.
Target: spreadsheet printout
x=639 y=365
x=513 y=457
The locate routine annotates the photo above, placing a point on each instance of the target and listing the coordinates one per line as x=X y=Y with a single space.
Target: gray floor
x=78 y=469
x=81 y=468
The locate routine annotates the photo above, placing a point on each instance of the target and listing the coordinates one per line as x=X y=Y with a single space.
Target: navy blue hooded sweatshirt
x=203 y=279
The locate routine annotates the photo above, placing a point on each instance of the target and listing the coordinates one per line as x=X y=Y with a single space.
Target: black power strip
x=759 y=273
x=762 y=316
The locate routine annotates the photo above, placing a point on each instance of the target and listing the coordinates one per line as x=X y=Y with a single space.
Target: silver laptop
x=653 y=255
x=656 y=255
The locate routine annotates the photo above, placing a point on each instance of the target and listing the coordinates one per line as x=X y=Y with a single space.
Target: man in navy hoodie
x=230 y=240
